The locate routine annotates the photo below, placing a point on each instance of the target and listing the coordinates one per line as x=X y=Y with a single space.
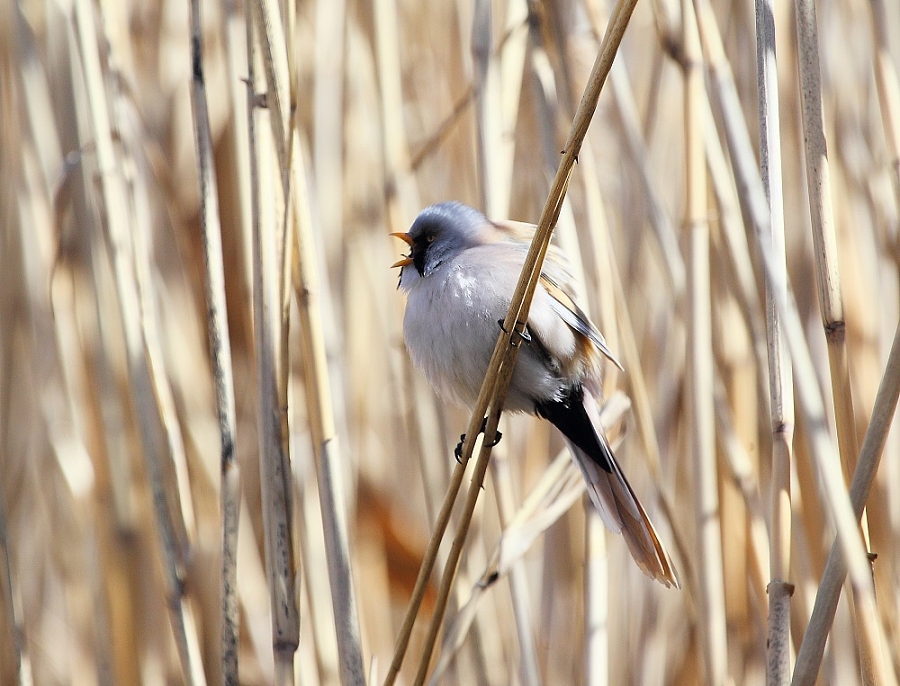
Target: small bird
x=459 y=277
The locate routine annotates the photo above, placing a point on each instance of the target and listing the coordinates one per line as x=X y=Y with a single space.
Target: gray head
x=439 y=233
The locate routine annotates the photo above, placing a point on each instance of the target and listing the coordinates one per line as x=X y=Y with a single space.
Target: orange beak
x=409 y=241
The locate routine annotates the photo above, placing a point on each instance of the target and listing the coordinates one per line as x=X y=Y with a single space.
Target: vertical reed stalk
x=497 y=104
x=596 y=598
x=827 y=269
x=823 y=228
x=273 y=463
x=888 y=92
x=322 y=430
x=12 y=598
x=220 y=353
x=117 y=218
x=834 y=494
x=328 y=100
x=706 y=495
x=781 y=389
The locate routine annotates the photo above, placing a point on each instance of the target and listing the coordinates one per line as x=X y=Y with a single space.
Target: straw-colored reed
x=217 y=464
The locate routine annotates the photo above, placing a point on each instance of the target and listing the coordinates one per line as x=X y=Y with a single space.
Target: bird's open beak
x=409 y=241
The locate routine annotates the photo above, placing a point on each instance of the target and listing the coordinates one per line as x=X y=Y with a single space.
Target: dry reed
x=159 y=375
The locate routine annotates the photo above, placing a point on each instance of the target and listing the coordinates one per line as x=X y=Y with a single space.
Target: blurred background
x=110 y=452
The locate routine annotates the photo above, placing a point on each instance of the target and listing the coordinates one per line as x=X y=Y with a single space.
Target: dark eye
x=430 y=238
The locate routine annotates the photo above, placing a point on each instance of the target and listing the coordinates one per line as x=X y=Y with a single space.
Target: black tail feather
x=570 y=417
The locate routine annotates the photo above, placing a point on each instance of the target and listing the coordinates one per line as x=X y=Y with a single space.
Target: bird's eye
x=431 y=238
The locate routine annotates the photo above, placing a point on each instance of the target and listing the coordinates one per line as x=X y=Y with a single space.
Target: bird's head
x=439 y=234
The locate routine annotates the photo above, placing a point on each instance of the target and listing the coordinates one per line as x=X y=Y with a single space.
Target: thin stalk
x=781 y=388
x=518 y=579
x=502 y=362
x=827 y=269
x=487 y=86
x=319 y=618
x=740 y=470
x=809 y=657
x=559 y=487
x=706 y=496
x=273 y=463
x=220 y=352
x=12 y=601
x=639 y=154
x=820 y=207
x=116 y=220
x=833 y=494
x=401 y=207
x=888 y=89
x=267 y=18
x=328 y=118
x=497 y=89
x=596 y=600
x=10 y=594
x=233 y=33
x=497 y=105
x=322 y=430
x=734 y=239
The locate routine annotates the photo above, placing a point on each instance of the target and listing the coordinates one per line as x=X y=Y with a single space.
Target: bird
x=459 y=278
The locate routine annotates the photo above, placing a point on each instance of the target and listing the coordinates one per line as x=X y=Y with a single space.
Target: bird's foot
x=462 y=439
x=459 y=447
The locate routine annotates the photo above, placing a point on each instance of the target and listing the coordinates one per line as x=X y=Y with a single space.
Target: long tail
x=609 y=490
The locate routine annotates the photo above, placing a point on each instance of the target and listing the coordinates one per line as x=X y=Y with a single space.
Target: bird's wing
x=574 y=316
x=556 y=280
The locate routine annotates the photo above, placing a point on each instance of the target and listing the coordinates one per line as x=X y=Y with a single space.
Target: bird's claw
x=458 y=450
x=516 y=337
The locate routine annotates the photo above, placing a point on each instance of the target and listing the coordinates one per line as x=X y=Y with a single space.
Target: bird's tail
x=619 y=507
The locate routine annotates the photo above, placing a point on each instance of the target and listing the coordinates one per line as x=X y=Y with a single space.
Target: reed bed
x=217 y=464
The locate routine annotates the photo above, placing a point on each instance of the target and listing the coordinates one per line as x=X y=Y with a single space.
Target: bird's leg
x=462 y=439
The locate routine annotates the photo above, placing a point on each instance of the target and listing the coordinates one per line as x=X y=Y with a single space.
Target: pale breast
x=451 y=326
x=450 y=331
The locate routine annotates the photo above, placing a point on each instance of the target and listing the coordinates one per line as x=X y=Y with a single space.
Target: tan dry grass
x=109 y=445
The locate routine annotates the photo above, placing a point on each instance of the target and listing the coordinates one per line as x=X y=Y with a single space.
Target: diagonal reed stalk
x=502 y=362
x=557 y=490
x=220 y=352
x=809 y=656
x=489 y=396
